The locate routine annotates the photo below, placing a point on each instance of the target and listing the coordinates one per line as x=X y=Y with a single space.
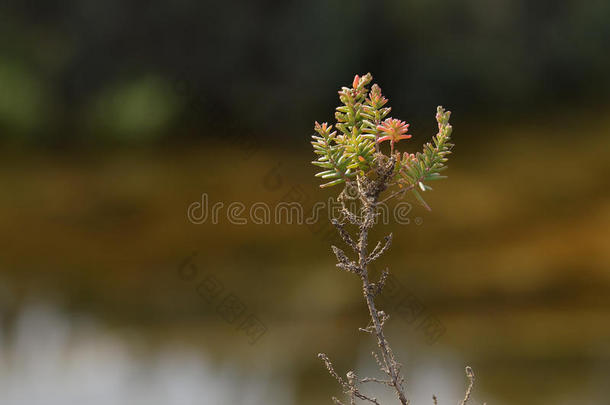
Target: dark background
x=115 y=116
x=266 y=65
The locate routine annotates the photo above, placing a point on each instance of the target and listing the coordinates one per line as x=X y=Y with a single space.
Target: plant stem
x=388 y=359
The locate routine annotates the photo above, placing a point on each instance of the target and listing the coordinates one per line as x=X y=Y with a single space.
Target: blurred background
x=117 y=116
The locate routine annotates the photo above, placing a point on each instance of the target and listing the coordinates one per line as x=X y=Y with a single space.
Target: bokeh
x=116 y=117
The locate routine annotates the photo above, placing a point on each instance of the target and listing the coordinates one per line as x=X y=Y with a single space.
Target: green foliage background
x=265 y=66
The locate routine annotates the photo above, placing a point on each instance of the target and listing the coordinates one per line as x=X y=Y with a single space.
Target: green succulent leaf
x=349 y=148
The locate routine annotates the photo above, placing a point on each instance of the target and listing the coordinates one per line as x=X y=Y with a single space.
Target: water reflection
x=52 y=359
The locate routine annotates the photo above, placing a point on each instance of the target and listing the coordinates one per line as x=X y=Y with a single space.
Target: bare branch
x=382 y=317
x=382 y=367
x=344 y=262
x=382 y=279
x=347 y=214
x=377 y=380
x=331 y=369
x=470 y=375
x=366 y=398
x=378 y=251
x=352 y=380
x=397 y=193
x=349 y=385
x=352 y=218
x=345 y=235
x=368 y=329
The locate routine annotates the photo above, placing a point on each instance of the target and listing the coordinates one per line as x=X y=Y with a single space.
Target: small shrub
x=350 y=154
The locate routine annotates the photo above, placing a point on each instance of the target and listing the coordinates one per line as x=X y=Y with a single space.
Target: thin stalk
x=391 y=365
